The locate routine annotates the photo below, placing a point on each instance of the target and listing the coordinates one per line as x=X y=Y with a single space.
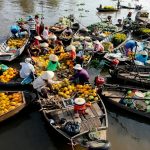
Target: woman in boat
x=129 y=45
x=98 y=47
x=45 y=34
x=44 y=48
x=72 y=52
x=37 y=26
x=53 y=64
x=26 y=68
x=67 y=31
x=81 y=76
x=43 y=84
x=59 y=48
x=142 y=57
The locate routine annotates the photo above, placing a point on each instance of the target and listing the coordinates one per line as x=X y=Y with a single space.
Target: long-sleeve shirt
x=82 y=75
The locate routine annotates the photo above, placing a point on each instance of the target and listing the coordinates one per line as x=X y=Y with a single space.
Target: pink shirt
x=99 y=47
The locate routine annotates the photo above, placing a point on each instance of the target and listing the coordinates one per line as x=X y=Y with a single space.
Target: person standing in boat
x=45 y=34
x=26 y=68
x=81 y=76
x=43 y=84
x=37 y=26
x=32 y=27
x=53 y=64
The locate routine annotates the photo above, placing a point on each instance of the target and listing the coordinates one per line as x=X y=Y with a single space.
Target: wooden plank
x=97 y=109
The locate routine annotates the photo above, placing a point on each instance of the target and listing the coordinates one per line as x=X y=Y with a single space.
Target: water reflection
x=52 y=3
x=26 y=5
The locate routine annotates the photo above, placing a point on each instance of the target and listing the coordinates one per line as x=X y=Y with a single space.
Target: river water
x=27 y=131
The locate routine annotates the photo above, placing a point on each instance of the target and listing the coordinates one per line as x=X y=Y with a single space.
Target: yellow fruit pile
x=8 y=75
x=16 y=42
x=65 y=89
x=87 y=92
x=63 y=56
x=9 y=101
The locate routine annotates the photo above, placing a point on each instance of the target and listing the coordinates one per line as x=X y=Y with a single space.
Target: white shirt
x=26 y=69
x=39 y=82
x=45 y=34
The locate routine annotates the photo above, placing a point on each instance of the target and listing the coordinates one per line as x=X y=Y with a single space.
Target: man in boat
x=43 y=84
x=81 y=76
x=45 y=34
x=142 y=57
x=53 y=64
x=26 y=68
x=37 y=25
x=129 y=45
x=67 y=31
x=32 y=27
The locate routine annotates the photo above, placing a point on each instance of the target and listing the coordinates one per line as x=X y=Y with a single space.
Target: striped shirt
x=31 y=24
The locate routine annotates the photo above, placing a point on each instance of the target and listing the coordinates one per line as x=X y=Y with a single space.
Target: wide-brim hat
x=53 y=57
x=144 y=53
x=38 y=38
x=70 y=47
x=79 y=101
x=47 y=75
x=28 y=60
x=45 y=45
x=96 y=42
x=77 y=67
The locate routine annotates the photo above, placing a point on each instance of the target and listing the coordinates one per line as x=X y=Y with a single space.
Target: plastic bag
x=72 y=128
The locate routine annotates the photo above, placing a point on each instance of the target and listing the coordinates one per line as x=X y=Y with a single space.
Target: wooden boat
x=9 y=54
x=142 y=16
x=140 y=79
x=115 y=96
x=107 y=10
x=92 y=123
x=57 y=28
x=16 y=110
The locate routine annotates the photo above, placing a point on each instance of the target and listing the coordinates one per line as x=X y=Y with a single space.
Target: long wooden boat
x=92 y=124
x=140 y=79
x=16 y=108
x=107 y=10
x=9 y=54
x=115 y=97
x=142 y=16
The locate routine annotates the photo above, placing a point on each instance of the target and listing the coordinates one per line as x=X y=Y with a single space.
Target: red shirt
x=73 y=54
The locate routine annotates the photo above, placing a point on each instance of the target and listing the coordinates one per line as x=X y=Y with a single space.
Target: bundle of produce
x=108 y=46
x=65 y=36
x=65 y=89
x=118 y=38
x=143 y=32
x=8 y=75
x=16 y=43
x=9 y=101
x=144 y=14
x=87 y=92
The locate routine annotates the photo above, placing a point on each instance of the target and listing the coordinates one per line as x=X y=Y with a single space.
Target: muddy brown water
x=27 y=131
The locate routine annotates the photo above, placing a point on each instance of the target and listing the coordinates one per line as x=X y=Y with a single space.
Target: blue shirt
x=140 y=58
x=130 y=44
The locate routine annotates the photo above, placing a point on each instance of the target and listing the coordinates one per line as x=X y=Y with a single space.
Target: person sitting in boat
x=15 y=29
x=109 y=19
x=129 y=45
x=72 y=52
x=100 y=6
x=81 y=76
x=26 y=68
x=45 y=34
x=67 y=31
x=98 y=47
x=43 y=84
x=59 y=47
x=142 y=57
x=36 y=42
x=44 y=48
x=80 y=58
x=53 y=64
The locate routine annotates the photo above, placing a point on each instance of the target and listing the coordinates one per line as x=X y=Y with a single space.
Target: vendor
x=53 y=64
x=43 y=83
x=59 y=47
x=26 y=68
x=15 y=29
x=129 y=45
x=72 y=52
x=44 y=48
x=98 y=47
x=36 y=42
x=67 y=31
x=45 y=34
x=81 y=75
x=142 y=57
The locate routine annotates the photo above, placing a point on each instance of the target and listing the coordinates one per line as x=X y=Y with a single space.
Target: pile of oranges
x=9 y=101
x=8 y=75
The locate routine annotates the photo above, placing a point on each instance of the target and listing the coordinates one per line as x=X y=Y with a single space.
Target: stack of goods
x=16 y=43
x=8 y=75
x=65 y=36
x=9 y=101
x=137 y=100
